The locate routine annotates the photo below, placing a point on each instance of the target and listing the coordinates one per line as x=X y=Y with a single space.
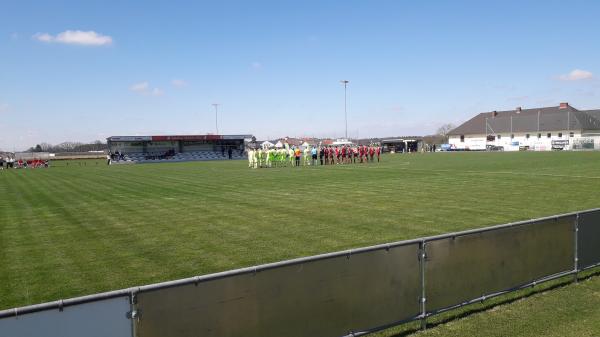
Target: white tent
x=279 y=145
x=266 y=144
x=342 y=142
x=305 y=145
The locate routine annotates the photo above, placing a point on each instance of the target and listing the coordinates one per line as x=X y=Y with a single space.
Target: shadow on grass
x=514 y=297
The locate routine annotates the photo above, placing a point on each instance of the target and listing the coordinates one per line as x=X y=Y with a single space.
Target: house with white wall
x=540 y=129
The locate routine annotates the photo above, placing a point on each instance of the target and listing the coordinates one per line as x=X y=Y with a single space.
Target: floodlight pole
x=216 y=105
x=345 y=82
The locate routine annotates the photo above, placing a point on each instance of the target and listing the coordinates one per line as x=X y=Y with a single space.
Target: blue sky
x=85 y=70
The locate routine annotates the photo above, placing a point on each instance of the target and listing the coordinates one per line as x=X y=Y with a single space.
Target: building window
x=539 y=135
x=549 y=135
x=462 y=138
x=512 y=136
x=527 y=136
x=571 y=134
x=560 y=135
x=499 y=136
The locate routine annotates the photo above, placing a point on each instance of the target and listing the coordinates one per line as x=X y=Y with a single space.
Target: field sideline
x=75 y=230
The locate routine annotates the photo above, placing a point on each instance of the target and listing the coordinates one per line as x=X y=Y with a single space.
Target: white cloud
x=143 y=88
x=179 y=83
x=140 y=87
x=44 y=37
x=576 y=75
x=77 y=37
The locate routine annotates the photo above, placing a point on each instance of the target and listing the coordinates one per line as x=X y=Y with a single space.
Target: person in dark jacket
x=321 y=154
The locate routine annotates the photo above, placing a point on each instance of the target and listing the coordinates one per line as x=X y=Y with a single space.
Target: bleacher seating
x=151 y=157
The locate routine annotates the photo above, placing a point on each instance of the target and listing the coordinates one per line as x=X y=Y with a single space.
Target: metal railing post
x=133 y=314
x=576 y=254
x=422 y=258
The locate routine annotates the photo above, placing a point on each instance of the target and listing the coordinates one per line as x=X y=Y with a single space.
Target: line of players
x=325 y=155
x=18 y=164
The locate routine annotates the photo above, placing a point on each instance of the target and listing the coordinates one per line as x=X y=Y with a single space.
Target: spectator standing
x=229 y=152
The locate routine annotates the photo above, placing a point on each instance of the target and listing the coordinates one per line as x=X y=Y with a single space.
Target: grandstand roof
x=176 y=137
x=563 y=117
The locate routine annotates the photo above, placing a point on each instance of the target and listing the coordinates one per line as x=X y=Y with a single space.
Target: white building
x=541 y=129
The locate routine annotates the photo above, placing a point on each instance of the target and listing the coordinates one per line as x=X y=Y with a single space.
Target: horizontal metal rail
x=590 y=267
x=503 y=292
x=496 y=227
x=61 y=304
x=383 y=327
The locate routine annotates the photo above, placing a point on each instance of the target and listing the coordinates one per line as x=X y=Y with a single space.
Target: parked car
x=494 y=148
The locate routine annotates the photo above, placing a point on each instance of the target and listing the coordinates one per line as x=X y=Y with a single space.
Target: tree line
x=69 y=147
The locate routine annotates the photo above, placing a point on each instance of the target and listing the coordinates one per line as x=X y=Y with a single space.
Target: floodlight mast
x=345 y=82
x=216 y=105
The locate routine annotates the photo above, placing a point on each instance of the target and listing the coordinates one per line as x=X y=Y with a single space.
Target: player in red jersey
x=331 y=153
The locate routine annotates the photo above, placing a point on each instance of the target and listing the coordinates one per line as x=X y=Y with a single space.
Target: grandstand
x=176 y=148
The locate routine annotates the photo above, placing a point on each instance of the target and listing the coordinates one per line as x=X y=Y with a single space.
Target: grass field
x=80 y=229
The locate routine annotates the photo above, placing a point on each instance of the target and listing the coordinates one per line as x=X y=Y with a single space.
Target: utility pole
x=216 y=105
x=345 y=82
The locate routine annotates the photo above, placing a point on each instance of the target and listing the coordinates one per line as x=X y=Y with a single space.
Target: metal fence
x=348 y=293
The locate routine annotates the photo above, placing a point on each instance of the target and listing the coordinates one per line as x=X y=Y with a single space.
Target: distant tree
x=69 y=147
x=445 y=129
x=434 y=139
x=45 y=147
